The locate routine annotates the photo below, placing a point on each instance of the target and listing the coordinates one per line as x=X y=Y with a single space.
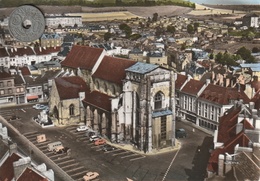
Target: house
x=50 y=40
x=55 y=21
x=136 y=54
x=251 y=20
x=157 y=57
x=236 y=142
x=112 y=91
x=213 y=101
x=12 y=88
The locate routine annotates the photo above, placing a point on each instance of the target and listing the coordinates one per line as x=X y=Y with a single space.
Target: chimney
x=12 y=148
x=20 y=166
x=251 y=105
x=207 y=81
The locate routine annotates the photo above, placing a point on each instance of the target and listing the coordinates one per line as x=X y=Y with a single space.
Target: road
x=189 y=164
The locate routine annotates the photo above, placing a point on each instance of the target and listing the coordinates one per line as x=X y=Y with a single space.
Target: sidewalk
x=153 y=152
x=198 y=127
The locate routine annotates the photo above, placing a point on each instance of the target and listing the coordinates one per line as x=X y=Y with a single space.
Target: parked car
x=39 y=106
x=94 y=138
x=90 y=176
x=90 y=133
x=82 y=128
x=100 y=142
x=108 y=148
x=180 y=133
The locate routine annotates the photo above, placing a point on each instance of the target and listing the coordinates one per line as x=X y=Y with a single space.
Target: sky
x=226 y=1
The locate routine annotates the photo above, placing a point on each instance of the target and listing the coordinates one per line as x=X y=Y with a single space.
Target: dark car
x=180 y=133
x=108 y=148
x=14 y=117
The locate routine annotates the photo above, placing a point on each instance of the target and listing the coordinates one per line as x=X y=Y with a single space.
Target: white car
x=39 y=106
x=82 y=128
x=94 y=138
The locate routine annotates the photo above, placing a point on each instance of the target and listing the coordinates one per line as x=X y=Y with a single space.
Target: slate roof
x=142 y=68
x=83 y=57
x=180 y=81
x=192 y=87
x=222 y=95
x=69 y=87
x=31 y=175
x=161 y=113
x=112 y=69
x=6 y=170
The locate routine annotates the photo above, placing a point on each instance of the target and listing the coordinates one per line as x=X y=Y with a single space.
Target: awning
x=32 y=97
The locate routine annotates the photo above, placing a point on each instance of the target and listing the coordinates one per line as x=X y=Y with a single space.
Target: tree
x=107 y=36
x=155 y=17
x=245 y=54
x=171 y=29
x=211 y=56
x=190 y=29
x=196 y=25
x=255 y=50
x=127 y=29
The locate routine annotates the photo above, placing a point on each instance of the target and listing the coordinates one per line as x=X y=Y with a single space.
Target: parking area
x=63 y=160
x=115 y=151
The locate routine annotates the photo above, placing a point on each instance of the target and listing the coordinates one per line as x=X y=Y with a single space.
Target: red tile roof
x=69 y=87
x=241 y=139
x=7 y=170
x=99 y=100
x=222 y=95
x=82 y=57
x=256 y=85
x=31 y=175
x=256 y=100
x=3 y=52
x=21 y=51
x=46 y=51
x=192 y=87
x=25 y=71
x=113 y=69
x=180 y=81
x=4 y=75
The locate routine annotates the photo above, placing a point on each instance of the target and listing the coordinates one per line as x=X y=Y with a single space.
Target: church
x=122 y=99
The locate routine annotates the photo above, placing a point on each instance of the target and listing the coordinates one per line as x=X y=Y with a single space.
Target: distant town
x=105 y=94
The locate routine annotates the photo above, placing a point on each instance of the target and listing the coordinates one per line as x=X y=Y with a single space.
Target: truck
x=52 y=146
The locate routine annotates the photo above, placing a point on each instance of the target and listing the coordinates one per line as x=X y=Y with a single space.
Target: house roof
x=69 y=87
x=113 y=69
x=31 y=175
x=256 y=99
x=222 y=95
x=25 y=71
x=6 y=170
x=3 y=52
x=98 y=99
x=84 y=57
x=142 y=68
x=46 y=51
x=4 y=75
x=21 y=51
x=180 y=81
x=192 y=87
x=241 y=139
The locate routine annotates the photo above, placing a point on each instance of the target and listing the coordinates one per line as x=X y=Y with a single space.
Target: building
x=123 y=99
x=236 y=143
x=54 y=21
x=50 y=40
x=251 y=20
x=12 y=88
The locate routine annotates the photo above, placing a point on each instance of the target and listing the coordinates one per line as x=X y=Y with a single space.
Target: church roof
x=142 y=68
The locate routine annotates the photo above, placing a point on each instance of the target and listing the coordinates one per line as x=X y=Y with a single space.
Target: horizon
x=228 y=2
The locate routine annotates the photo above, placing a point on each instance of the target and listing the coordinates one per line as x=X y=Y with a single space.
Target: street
x=118 y=164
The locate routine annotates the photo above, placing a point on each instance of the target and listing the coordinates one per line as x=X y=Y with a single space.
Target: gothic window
x=71 y=109
x=163 y=128
x=158 y=98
